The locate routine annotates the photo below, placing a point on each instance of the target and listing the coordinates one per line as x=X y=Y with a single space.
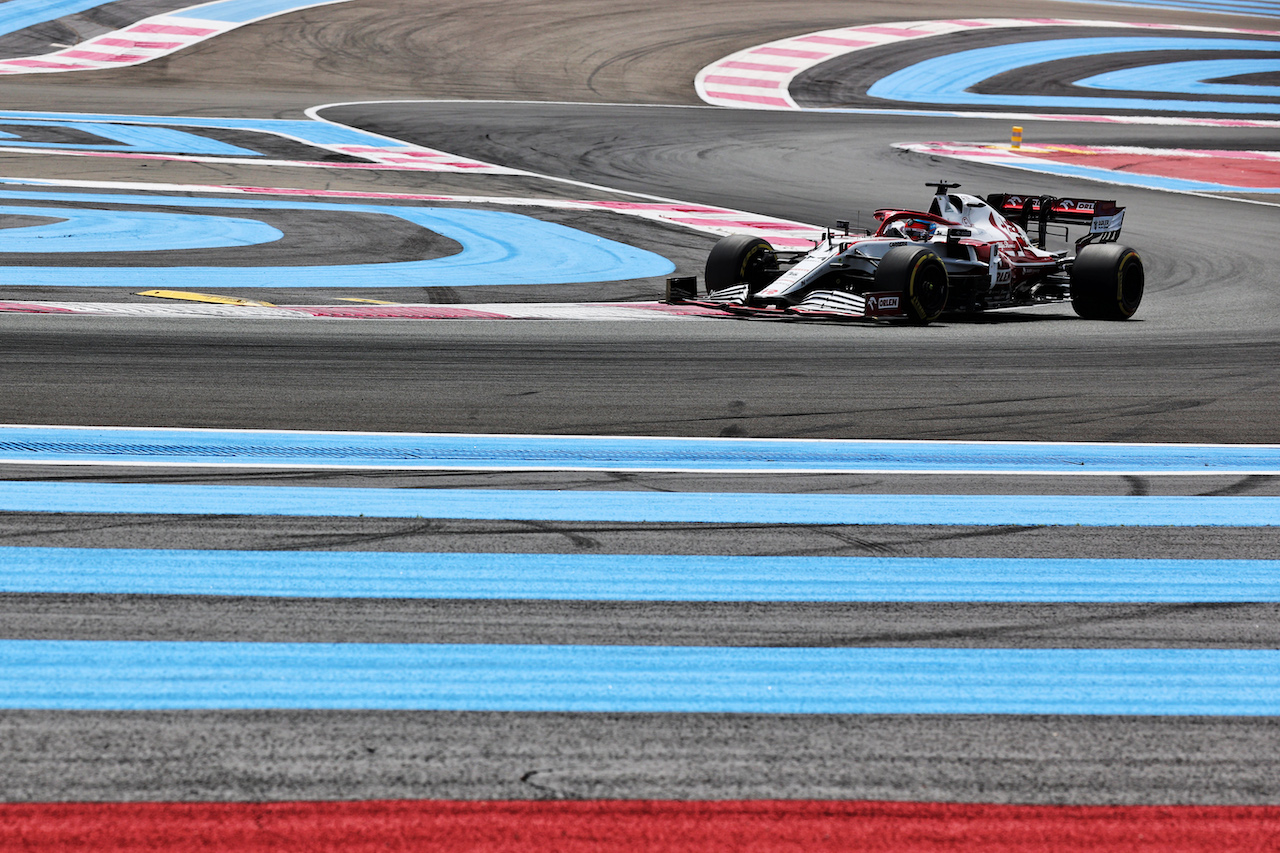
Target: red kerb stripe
x=169 y=29
x=580 y=826
x=751 y=99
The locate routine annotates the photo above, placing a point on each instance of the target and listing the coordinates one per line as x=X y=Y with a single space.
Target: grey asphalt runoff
x=1199 y=363
x=306 y=755
x=1037 y=375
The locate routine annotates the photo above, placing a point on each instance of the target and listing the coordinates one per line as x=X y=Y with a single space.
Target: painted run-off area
x=568 y=826
x=1203 y=170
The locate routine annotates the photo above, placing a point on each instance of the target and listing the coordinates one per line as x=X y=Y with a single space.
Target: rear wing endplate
x=1103 y=217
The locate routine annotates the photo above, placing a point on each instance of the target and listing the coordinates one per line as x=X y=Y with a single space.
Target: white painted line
x=609 y=311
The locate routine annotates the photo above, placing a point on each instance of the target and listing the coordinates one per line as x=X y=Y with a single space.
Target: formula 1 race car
x=963 y=256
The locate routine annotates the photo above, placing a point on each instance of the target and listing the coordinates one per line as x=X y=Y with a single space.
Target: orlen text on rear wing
x=1104 y=218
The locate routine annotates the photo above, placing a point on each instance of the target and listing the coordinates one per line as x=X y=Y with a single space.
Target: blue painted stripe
x=19 y=14
x=1189 y=78
x=127 y=137
x=316 y=132
x=128 y=231
x=947 y=79
x=1252 y=9
x=79 y=675
x=498 y=248
x=630 y=577
x=244 y=11
x=650 y=507
x=524 y=452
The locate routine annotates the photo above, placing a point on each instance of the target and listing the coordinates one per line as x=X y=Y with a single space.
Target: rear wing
x=1104 y=218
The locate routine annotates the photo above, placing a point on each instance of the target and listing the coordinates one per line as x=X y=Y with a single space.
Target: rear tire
x=921 y=276
x=1107 y=280
x=739 y=258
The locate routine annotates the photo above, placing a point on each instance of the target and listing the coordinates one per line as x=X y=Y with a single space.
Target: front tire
x=1107 y=280
x=921 y=276
x=739 y=258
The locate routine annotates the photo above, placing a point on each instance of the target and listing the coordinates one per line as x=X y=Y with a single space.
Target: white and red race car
x=964 y=255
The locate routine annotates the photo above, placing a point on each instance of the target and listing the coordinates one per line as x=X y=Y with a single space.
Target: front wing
x=832 y=304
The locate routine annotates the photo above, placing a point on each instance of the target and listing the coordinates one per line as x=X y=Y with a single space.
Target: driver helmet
x=919 y=230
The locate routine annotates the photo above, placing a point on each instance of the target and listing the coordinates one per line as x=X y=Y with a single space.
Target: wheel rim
x=930 y=288
x=756 y=263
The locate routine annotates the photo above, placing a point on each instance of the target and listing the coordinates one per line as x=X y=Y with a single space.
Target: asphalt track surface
x=1197 y=364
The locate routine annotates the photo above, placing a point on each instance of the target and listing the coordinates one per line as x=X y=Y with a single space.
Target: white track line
x=628 y=311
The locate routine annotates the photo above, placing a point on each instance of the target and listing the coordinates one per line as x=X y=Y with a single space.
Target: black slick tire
x=739 y=258
x=921 y=276
x=1107 y=280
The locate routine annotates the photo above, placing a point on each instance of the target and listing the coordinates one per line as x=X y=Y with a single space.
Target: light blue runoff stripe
x=630 y=577
x=647 y=507
x=947 y=79
x=317 y=132
x=244 y=11
x=1251 y=8
x=498 y=248
x=129 y=138
x=265 y=448
x=96 y=675
x=128 y=231
x=1189 y=78
x=19 y=14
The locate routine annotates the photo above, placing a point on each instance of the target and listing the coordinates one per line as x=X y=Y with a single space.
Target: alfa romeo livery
x=963 y=255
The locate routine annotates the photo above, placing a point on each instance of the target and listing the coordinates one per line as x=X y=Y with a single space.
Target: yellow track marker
x=1016 y=137
x=205 y=297
x=1067 y=149
x=368 y=301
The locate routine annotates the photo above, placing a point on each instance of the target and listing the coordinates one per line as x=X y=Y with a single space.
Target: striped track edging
x=146 y=40
x=407 y=158
x=139 y=675
x=643 y=507
x=589 y=826
x=759 y=77
x=133 y=446
x=1142 y=167
x=628 y=311
x=1243 y=8
x=708 y=219
x=631 y=577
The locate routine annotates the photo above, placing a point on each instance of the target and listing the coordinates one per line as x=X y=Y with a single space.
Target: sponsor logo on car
x=1106 y=224
x=880 y=303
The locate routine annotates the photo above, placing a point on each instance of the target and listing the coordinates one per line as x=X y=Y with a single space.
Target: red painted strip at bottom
x=593 y=825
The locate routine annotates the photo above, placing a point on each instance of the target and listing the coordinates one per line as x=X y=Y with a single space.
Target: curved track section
x=140 y=41
x=285 y=611
x=1042 y=65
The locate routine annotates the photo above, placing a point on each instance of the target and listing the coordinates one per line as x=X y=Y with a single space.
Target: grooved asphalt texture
x=1199 y=365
